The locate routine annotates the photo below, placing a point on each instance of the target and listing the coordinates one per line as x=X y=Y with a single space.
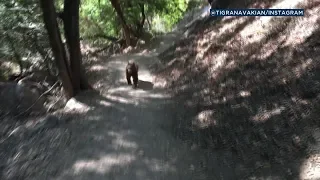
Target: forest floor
x=208 y=106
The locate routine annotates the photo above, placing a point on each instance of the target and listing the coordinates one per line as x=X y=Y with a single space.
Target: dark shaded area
x=263 y=109
x=145 y=85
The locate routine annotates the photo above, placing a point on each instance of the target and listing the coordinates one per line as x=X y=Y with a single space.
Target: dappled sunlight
x=176 y=73
x=110 y=75
x=231 y=65
x=104 y=164
x=236 y=84
x=143 y=52
x=76 y=106
x=120 y=141
x=145 y=75
x=288 y=4
x=121 y=99
x=122 y=89
x=300 y=101
x=236 y=98
x=264 y=115
x=129 y=92
x=259 y=31
x=204 y=44
x=9 y=66
x=304 y=28
x=205 y=11
x=228 y=27
x=133 y=96
x=269 y=48
x=249 y=86
x=310 y=169
x=105 y=103
x=256 y=31
x=159 y=166
x=204 y=119
x=217 y=62
x=97 y=68
x=244 y=93
x=301 y=68
x=117 y=65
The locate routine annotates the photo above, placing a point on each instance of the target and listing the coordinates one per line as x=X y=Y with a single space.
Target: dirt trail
x=125 y=133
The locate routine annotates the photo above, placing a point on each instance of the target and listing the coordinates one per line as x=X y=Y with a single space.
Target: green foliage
x=99 y=17
x=173 y=13
x=24 y=39
x=22 y=31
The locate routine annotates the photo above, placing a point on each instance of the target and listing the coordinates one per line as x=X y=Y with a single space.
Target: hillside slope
x=250 y=86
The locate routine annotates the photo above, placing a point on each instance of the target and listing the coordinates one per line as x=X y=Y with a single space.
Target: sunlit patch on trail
x=265 y=115
x=120 y=99
x=304 y=28
x=129 y=92
x=105 y=103
x=301 y=68
x=157 y=165
x=310 y=169
x=76 y=106
x=204 y=119
x=103 y=164
x=119 y=140
x=97 y=68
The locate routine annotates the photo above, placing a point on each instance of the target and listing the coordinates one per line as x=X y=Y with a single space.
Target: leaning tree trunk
x=50 y=21
x=72 y=35
x=126 y=30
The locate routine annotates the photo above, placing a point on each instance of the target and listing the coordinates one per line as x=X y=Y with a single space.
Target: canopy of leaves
x=24 y=35
x=99 y=17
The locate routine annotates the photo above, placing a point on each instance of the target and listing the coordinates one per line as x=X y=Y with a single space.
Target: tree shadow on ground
x=107 y=140
x=117 y=140
x=109 y=136
x=145 y=85
x=257 y=100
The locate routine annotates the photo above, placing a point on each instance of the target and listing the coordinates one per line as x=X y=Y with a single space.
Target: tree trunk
x=125 y=27
x=71 y=30
x=141 y=23
x=50 y=21
x=72 y=34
